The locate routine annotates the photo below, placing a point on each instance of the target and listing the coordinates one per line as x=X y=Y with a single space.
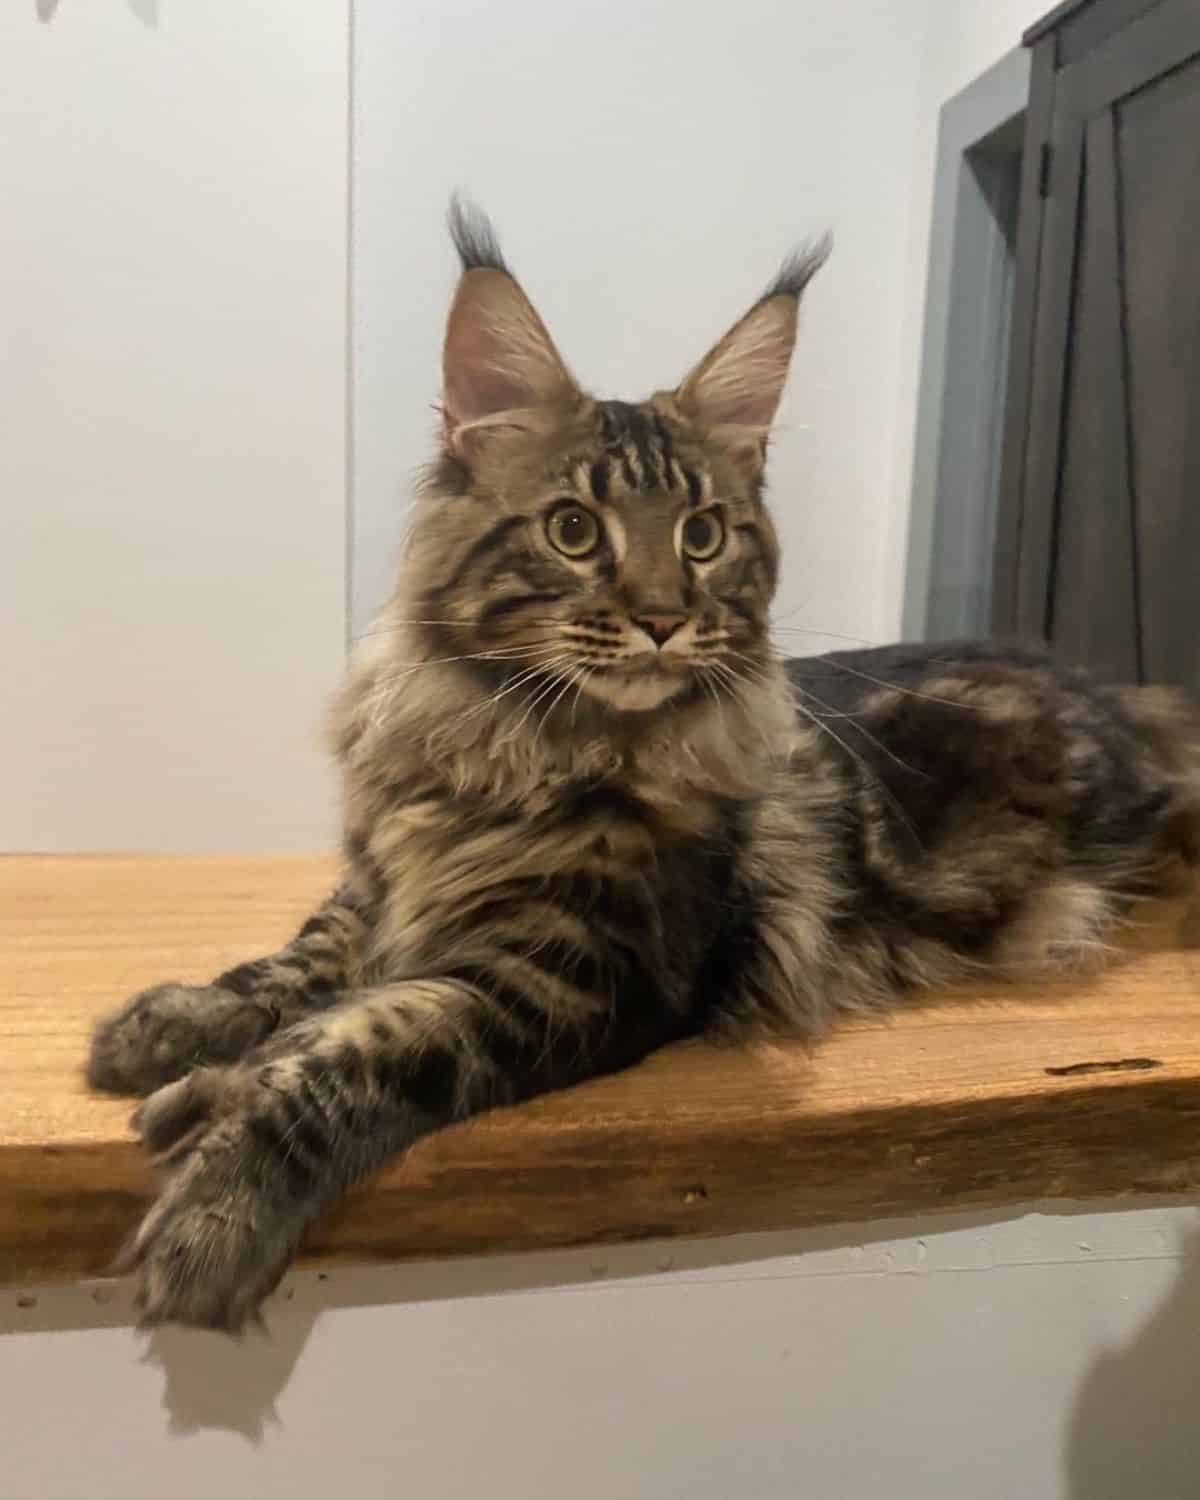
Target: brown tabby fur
x=589 y=810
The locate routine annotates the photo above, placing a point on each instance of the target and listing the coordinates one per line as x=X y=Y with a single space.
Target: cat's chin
x=634 y=692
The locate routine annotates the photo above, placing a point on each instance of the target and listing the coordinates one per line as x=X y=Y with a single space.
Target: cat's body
x=589 y=811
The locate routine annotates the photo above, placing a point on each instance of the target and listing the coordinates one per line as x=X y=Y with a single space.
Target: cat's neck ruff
x=435 y=717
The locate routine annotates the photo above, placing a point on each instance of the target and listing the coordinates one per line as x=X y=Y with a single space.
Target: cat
x=589 y=810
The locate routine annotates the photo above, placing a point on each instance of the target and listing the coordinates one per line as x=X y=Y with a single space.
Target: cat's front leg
x=161 y=1033
x=229 y=1216
x=253 y=1153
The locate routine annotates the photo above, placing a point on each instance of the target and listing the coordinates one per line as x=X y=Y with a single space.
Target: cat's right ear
x=733 y=393
x=500 y=368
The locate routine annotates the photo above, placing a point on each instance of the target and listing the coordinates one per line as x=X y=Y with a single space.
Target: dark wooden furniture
x=1098 y=544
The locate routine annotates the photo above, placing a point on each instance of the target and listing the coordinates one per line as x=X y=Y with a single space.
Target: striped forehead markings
x=640 y=446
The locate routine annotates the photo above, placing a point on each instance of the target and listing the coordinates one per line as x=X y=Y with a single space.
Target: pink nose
x=660 y=625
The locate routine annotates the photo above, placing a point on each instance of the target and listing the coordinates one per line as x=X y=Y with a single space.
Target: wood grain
x=977 y=1099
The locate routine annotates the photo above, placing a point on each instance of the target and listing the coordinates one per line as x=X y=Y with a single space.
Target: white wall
x=647 y=166
x=968 y=36
x=173 y=266
x=1050 y=1358
x=174 y=259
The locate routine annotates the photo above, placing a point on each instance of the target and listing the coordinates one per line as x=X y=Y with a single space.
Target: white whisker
x=584 y=674
x=535 y=700
x=896 y=687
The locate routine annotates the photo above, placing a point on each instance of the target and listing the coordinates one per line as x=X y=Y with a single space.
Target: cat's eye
x=703 y=535
x=573 y=530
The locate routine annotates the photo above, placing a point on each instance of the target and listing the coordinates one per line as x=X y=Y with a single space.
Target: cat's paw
x=162 y=1033
x=224 y=1229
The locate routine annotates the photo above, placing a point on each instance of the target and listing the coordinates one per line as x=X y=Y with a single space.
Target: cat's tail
x=1168 y=725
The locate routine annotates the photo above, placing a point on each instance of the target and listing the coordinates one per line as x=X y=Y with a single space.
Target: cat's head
x=622 y=549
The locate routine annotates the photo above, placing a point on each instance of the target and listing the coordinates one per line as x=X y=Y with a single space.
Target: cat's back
x=847 y=680
x=934 y=734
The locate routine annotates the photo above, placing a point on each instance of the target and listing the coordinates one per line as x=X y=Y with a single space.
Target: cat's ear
x=733 y=393
x=500 y=368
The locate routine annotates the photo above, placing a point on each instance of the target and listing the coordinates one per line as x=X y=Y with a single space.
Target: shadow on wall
x=145 y=10
x=1134 y=1430
x=214 y=1382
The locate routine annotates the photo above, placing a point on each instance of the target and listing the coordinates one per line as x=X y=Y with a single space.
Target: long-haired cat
x=589 y=810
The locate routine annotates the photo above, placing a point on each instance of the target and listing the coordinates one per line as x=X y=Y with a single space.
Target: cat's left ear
x=500 y=369
x=733 y=393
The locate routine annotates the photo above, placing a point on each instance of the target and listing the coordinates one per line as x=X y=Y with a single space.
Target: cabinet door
x=1107 y=556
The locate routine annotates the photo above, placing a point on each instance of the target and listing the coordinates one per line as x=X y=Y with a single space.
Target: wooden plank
x=1052 y=20
x=1030 y=215
x=1160 y=223
x=1056 y=17
x=1089 y=1088
x=1080 y=25
x=1095 y=554
x=1115 y=495
x=1163 y=39
x=1051 y=369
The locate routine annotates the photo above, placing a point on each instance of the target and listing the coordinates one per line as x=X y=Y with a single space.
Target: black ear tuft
x=473 y=236
x=499 y=363
x=733 y=393
x=799 y=268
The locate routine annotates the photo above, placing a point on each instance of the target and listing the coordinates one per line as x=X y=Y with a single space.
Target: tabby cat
x=589 y=810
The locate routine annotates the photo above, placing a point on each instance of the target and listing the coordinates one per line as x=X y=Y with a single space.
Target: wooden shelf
x=980 y=1099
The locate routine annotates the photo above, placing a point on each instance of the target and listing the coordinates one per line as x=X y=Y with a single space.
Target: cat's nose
x=661 y=624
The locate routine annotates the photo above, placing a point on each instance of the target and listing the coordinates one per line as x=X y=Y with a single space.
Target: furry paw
x=164 y=1032
x=224 y=1228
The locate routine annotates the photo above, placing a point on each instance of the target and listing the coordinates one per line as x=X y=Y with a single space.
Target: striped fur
x=588 y=810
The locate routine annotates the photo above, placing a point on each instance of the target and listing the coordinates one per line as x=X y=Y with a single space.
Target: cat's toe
x=213 y=1247
x=162 y=1033
x=173 y=1115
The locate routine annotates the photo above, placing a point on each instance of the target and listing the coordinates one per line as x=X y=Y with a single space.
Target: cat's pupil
x=701 y=535
x=573 y=528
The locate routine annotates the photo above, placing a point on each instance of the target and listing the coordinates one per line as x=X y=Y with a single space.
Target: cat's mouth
x=638 y=684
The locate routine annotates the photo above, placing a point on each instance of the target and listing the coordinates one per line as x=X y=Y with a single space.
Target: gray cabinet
x=1098 y=542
